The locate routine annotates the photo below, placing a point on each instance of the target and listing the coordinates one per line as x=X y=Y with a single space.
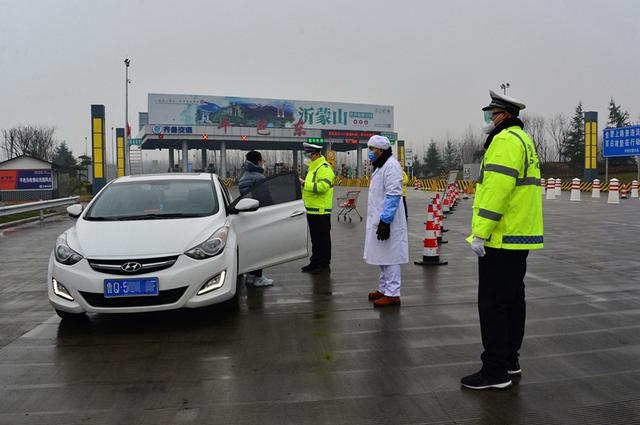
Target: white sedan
x=162 y=242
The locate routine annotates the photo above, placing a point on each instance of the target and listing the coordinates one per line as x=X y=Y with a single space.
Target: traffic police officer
x=506 y=224
x=317 y=194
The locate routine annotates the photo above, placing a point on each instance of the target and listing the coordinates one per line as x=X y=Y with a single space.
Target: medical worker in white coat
x=385 y=243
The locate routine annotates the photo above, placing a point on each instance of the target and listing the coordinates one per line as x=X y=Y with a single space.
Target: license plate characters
x=131 y=287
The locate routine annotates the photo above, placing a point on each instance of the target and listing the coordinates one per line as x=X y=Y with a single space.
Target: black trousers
x=406 y=211
x=501 y=306
x=320 y=231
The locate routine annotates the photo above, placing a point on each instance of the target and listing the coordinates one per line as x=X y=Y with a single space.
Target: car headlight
x=215 y=282
x=60 y=290
x=211 y=247
x=63 y=253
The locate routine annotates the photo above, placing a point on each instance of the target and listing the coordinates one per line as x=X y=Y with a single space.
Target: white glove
x=477 y=246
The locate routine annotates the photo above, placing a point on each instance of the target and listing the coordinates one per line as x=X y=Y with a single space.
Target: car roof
x=166 y=176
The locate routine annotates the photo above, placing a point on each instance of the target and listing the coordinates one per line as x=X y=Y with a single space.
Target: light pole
x=86 y=170
x=113 y=150
x=504 y=87
x=127 y=62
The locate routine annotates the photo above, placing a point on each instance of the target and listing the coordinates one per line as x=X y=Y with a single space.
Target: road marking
x=555 y=283
x=621 y=224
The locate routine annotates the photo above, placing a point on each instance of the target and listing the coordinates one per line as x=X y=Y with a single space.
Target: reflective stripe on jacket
x=317 y=191
x=507 y=210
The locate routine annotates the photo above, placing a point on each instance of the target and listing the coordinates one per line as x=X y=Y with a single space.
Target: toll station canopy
x=186 y=122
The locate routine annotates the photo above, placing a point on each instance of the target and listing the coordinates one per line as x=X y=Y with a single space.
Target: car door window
x=275 y=190
x=225 y=192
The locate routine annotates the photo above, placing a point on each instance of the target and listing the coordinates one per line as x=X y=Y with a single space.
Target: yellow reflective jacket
x=405 y=180
x=507 y=210
x=317 y=190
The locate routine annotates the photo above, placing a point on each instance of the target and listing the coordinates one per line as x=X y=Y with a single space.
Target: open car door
x=275 y=233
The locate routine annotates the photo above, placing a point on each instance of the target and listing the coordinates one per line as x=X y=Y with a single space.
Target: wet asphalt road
x=312 y=350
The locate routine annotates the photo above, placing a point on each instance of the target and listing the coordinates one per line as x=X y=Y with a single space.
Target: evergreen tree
x=618 y=118
x=432 y=160
x=64 y=160
x=573 y=147
x=451 y=157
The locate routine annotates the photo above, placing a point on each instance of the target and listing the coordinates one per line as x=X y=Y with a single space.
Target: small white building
x=25 y=178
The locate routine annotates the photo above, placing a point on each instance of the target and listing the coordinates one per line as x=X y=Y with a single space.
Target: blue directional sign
x=622 y=141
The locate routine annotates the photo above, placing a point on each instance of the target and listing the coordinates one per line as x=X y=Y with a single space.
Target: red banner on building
x=8 y=179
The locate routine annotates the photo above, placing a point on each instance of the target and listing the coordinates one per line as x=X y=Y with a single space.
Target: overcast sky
x=434 y=61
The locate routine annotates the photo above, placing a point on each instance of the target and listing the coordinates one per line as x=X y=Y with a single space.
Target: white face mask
x=307 y=160
x=488 y=127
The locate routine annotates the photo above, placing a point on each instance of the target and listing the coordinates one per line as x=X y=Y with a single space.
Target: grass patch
x=21 y=216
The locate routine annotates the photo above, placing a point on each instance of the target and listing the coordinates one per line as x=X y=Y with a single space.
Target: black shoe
x=308 y=268
x=320 y=269
x=481 y=381
x=514 y=368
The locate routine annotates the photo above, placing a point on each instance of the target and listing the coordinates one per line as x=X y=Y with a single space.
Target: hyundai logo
x=131 y=267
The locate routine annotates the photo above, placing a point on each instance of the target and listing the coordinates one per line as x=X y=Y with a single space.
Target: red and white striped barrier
x=614 y=196
x=623 y=191
x=558 y=185
x=430 y=252
x=551 y=188
x=543 y=186
x=634 y=189
x=575 y=190
x=595 y=191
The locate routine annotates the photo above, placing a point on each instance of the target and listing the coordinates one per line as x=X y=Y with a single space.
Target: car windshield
x=154 y=200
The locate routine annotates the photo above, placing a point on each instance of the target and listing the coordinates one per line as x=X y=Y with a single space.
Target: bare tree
x=536 y=128
x=470 y=147
x=32 y=140
x=558 y=128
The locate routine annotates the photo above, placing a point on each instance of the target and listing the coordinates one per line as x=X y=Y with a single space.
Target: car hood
x=140 y=238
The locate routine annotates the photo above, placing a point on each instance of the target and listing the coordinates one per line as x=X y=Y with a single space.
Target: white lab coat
x=395 y=250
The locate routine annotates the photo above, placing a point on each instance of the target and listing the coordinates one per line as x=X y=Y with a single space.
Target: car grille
x=168 y=296
x=148 y=265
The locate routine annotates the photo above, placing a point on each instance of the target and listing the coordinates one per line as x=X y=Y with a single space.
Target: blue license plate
x=147 y=286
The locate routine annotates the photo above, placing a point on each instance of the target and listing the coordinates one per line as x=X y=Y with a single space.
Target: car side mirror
x=245 y=205
x=74 y=210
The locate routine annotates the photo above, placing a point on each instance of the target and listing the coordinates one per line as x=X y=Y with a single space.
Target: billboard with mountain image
x=266 y=113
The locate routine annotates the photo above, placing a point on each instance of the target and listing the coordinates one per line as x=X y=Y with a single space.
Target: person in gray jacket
x=252 y=176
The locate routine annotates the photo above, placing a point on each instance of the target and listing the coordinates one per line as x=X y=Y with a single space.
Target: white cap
x=379 y=142
x=308 y=147
x=505 y=102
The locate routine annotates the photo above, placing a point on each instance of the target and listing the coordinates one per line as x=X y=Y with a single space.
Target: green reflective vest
x=317 y=190
x=507 y=210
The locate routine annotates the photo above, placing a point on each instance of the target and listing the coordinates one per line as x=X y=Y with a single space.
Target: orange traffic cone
x=623 y=191
x=445 y=206
x=430 y=253
x=438 y=220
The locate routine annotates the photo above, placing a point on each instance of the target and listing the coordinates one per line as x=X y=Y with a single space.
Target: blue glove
x=391 y=203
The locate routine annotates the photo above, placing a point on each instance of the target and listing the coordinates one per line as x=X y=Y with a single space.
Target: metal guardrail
x=38 y=206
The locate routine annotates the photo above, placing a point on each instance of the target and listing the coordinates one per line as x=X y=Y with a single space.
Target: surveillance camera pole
x=504 y=87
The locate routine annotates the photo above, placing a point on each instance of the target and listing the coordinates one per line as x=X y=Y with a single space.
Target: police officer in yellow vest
x=506 y=224
x=317 y=194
